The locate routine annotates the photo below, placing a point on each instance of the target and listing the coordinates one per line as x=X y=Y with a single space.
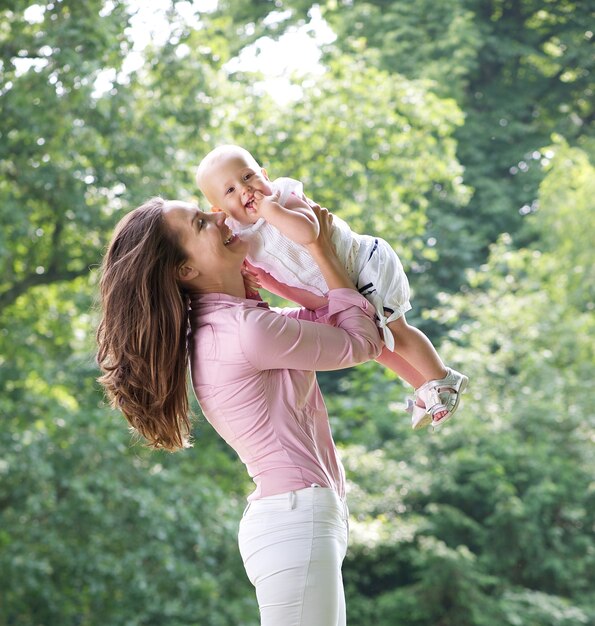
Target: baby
x=277 y=220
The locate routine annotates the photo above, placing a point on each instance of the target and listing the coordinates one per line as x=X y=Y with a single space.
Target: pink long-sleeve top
x=253 y=372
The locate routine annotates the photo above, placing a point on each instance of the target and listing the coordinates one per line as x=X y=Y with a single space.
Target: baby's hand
x=262 y=205
x=251 y=282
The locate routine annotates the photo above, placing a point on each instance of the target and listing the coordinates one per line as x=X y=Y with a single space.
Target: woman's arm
x=347 y=337
x=302 y=297
x=323 y=252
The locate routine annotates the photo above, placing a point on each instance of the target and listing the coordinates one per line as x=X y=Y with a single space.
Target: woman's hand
x=324 y=253
x=323 y=243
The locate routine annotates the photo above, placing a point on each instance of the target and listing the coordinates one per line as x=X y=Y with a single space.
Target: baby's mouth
x=249 y=204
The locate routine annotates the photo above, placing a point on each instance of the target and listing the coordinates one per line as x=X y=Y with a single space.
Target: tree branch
x=8 y=296
x=55 y=247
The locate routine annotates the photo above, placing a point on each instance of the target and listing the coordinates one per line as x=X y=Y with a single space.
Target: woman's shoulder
x=260 y=326
x=231 y=334
x=225 y=316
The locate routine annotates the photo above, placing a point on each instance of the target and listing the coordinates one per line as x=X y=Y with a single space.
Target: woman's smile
x=231 y=239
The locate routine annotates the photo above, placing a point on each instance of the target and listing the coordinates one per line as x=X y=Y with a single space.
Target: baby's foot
x=449 y=391
x=420 y=418
x=437 y=400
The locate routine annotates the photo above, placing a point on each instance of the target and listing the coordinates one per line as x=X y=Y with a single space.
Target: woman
x=173 y=293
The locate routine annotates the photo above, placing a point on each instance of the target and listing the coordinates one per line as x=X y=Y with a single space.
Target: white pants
x=293 y=545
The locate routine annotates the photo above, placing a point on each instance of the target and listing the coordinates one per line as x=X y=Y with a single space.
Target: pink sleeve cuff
x=339 y=301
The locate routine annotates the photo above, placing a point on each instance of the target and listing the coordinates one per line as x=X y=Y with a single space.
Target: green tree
x=93 y=529
x=520 y=70
x=488 y=521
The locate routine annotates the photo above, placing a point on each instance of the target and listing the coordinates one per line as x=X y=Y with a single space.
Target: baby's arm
x=296 y=220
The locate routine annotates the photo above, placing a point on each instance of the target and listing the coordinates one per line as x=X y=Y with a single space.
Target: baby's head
x=228 y=176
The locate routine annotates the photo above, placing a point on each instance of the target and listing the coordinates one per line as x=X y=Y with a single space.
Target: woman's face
x=210 y=246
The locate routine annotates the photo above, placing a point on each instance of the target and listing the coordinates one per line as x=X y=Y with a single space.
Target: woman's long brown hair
x=142 y=336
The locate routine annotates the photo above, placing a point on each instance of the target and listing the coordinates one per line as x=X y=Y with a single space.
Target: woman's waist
x=313 y=495
x=273 y=482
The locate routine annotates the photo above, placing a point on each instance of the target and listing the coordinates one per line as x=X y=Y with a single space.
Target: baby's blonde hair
x=219 y=154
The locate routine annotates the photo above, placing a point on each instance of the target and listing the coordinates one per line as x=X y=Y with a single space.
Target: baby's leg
x=402 y=368
x=417 y=350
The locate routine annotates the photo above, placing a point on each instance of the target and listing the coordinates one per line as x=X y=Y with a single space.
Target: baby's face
x=230 y=183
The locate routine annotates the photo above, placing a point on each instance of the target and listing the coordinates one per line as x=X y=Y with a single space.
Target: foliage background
x=462 y=132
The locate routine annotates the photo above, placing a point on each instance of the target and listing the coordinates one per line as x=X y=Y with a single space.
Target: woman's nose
x=219 y=218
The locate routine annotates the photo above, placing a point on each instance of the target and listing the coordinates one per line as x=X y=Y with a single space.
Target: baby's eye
x=247 y=176
x=230 y=190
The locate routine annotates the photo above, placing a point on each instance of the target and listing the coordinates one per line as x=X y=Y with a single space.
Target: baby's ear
x=264 y=173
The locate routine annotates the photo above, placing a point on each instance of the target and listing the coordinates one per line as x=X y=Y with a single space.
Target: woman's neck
x=230 y=285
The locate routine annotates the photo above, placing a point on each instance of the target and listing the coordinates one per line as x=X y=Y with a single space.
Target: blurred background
x=462 y=132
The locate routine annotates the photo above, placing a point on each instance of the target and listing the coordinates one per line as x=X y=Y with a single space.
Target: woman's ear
x=187 y=272
x=216 y=209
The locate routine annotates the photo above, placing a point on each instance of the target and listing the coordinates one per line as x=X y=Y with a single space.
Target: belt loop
x=291 y=500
